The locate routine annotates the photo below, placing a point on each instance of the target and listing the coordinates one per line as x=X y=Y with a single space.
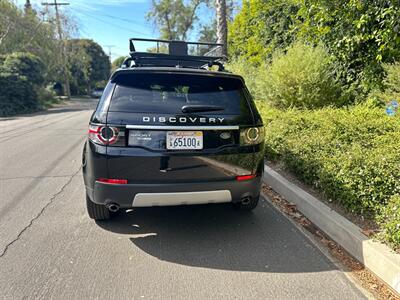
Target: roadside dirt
x=366 y=278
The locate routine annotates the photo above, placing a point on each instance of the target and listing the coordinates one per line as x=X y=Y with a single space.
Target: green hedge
x=301 y=77
x=21 y=76
x=390 y=222
x=391 y=85
x=17 y=95
x=350 y=154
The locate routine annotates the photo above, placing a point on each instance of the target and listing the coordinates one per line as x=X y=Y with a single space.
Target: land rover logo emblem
x=225 y=135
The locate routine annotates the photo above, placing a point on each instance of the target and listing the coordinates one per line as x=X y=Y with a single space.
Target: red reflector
x=245 y=177
x=113 y=181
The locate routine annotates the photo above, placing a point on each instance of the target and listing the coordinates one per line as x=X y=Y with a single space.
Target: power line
x=112 y=24
x=121 y=19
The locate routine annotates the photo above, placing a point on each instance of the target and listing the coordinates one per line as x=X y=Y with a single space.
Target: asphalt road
x=50 y=249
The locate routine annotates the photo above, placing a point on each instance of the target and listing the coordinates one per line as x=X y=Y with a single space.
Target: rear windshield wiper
x=200 y=108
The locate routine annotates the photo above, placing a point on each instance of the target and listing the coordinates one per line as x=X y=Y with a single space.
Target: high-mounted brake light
x=112 y=181
x=245 y=177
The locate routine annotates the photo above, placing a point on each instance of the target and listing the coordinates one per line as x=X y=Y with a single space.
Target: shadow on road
x=218 y=237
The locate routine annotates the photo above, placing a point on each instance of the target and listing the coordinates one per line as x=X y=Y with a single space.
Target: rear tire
x=97 y=211
x=250 y=205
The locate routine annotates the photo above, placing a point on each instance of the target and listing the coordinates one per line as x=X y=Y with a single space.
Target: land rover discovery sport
x=169 y=131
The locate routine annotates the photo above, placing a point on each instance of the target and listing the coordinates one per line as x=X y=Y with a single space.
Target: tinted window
x=167 y=93
x=104 y=99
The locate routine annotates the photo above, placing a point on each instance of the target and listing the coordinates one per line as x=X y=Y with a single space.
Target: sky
x=109 y=22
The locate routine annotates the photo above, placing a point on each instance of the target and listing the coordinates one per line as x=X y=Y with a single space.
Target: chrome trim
x=181 y=198
x=200 y=127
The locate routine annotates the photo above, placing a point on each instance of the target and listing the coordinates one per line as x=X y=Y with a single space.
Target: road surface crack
x=32 y=221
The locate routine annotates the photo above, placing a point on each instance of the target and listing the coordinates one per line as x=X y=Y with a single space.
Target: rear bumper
x=131 y=195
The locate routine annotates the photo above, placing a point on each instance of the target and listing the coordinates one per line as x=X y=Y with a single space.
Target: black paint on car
x=166 y=133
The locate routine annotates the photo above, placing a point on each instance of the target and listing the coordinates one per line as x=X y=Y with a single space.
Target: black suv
x=169 y=131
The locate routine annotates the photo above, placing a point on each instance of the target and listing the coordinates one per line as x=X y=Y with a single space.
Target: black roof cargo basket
x=180 y=55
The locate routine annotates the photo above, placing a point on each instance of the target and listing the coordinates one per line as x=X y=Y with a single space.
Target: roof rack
x=178 y=55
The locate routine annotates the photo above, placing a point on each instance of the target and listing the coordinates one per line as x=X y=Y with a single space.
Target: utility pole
x=109 y=50
x=28 y=6
x=63 y=50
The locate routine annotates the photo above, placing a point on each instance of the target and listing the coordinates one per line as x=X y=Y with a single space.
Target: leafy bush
x=261 y=27
x=301 y=78
x=46 y=97
x=390 y=222
x=253 y=75
x=117 y=62
x=101 y=84
x=351 y=155
x=24 y=64
x=360 y=35
x=20 y=77
x=25 y=31
x=391 y=84
x=17 y=95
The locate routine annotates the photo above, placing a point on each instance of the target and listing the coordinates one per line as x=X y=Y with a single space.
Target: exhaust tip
x=246 y=200
x=113 y=207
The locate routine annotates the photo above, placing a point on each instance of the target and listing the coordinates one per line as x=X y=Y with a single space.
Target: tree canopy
x=180 y=19
x=261 y=27
x=174 y=18
x=117 y=62
x=359 y=34
x=25 y=32
x=88 y=64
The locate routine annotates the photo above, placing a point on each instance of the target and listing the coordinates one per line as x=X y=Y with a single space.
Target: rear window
x=167 y=93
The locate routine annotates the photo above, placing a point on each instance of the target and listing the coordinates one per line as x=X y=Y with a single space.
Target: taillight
x=112 y=181
x=252 y=136
x=106 y=135
x=245 y=177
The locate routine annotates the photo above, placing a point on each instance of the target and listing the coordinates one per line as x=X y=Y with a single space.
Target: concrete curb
x=375 y=256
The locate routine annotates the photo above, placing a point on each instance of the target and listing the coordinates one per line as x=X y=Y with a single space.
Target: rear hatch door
x=179 y=127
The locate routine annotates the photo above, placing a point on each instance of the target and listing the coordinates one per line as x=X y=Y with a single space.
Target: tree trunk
x=222 y=26
x=6 y=32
